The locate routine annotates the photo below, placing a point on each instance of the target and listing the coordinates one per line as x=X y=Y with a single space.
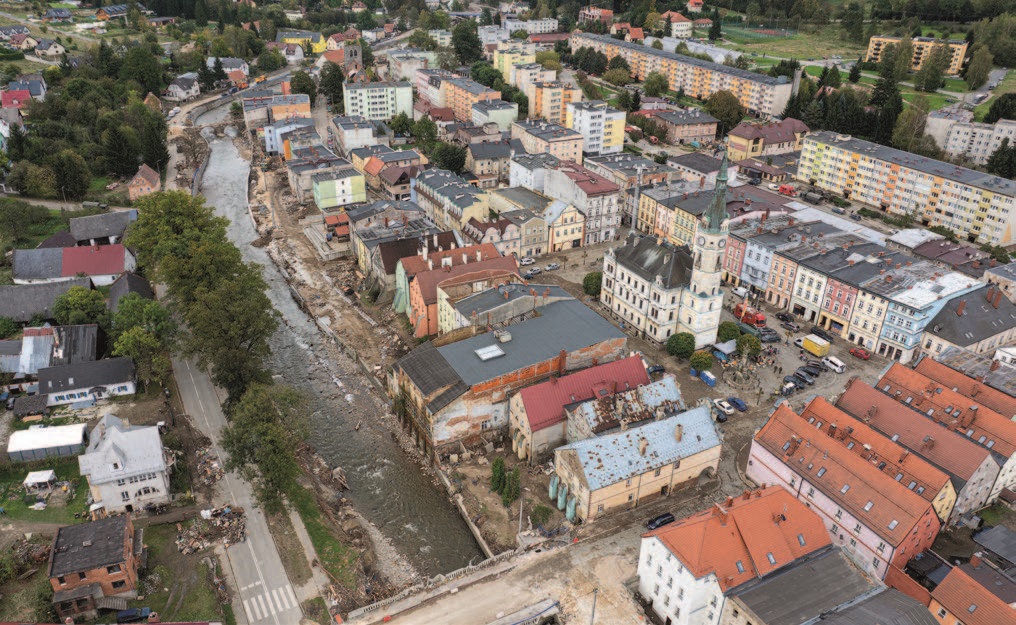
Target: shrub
x=681 y=345
x=701 y=361
x=497 y=475
x=593 y=283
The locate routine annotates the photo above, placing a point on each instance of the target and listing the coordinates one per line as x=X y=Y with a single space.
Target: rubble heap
x=226 y=524
x=209 y=469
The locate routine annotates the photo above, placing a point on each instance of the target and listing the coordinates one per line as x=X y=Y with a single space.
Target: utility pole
x=592 y=615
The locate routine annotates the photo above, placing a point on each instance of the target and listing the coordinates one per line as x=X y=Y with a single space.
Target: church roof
x=650 y=259
x=716 y=214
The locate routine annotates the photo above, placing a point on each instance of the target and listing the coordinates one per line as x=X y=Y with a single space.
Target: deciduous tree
x=80 y=306
x=656 y=84
x=681 y=345
x=724 y=106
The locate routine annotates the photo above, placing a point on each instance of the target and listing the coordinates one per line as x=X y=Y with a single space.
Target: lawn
x=12 y=494
x=1008 y=85
x=935 y=100
x=957 y=85
x=178 y=586
x=337 y=559
x=824 y=42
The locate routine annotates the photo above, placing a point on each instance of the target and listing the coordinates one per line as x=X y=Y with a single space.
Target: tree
x=701 y=361
x=466 y=42
x=200 y=13
x=903 y=58
x=724 y=106
x=486 y=18
x=1002 y=161
x=592 y=283
x=265 y=429
x=121 y=149
x=1003 y=107
x=834 y=79
x=636 y=101
x=618 y=62
x=814 y=115
x=619 y=77
x=885 y=119
x=219 y=72
x=141 y=66
x=656 y=84
x=852 y=22
x=749 y=345
x=909 y=129
x=549 y=60
x=855 y=72
x=727 y=331
x=425 y=132
x=270 y=60
x=236 y=110
x=716 y=28
x=931 y=76
x=72 y=174
x=624 y=100
x=497 y=475
x=681 y=345
x=8 y=327
x=366 y=53
x=979 y=67
x=80 y=306
x=32 y=180
x=301 y=82
x=152 y=140
x=134 y=311
x=401 y=124
x=331 y=83
x=149 y=355
x=512 y=487
x=449 y=156
x=653 y=21
x=657 y=45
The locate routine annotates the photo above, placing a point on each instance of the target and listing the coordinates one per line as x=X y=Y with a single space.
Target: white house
x=87 y=382
x=183 y=87
x=127 y=467
x=229 y=64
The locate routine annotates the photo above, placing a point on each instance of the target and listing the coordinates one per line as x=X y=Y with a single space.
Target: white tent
x=39 y=480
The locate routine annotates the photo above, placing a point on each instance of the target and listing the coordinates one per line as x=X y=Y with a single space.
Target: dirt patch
x=181 y=587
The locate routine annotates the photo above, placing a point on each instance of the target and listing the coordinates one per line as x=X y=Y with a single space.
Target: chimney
x=975 y=560
x=465 y=258
x=430 y=264
x=991 y=292
x=720 y=513
x=832 y=430
x=995 y=364
x=435 y=240
x=679 y=432
x=643 y=446
x=479 y=255
x=998 y=298
x=962 y=306
x=426 y=250
x=927 y=443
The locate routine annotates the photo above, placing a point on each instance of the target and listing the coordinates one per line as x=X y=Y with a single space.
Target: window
x=973 y=606
x=62 y=580
x=821 y=471
x=657 y=472
x=740 y=566
x=800 y=539
x=857 y=528
x=941 y=612
x=811 y=491
x=771 y=558
x=868 y=506
x=845 y=488
x=113 y=569
x=893 y=524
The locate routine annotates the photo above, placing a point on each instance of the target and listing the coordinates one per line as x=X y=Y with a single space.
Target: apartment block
x=429 y=85
x=448 y=199
x=977 y=206
x=595 y=14
x=549 y=100
x=511 y=53
x=353 y=133
x=977 y=141
x=867 y=513
x=460 y=94
x=688 y=126
x=533 y=27
x=980 y=321
x=526 y=74
x=378 y=101
x=443 y=38
x=539 y=137
x=530 y=170
x=497 y=112
x=339 y=187
x=592 y=194
x=758 y=93
x=601 y=126
x=923 y=47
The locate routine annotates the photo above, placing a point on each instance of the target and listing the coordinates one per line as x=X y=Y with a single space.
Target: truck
x=788 y=190
x=812 y=198
x=815 y=345
x=260 y=79
x=748 y=315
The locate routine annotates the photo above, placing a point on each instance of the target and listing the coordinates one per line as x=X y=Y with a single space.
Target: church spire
x=716 y=214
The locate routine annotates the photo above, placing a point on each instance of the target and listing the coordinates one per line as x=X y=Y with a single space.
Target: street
x=261 y=583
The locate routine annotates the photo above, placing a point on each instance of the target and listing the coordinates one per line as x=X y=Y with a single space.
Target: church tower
x=703 y=300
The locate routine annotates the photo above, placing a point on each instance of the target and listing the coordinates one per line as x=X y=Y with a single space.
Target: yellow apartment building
x=510 y=53
x=460 y=94
x=549 y=100
x=922 y=50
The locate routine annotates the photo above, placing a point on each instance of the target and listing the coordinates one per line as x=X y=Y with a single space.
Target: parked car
x=834 y=364
x=819 y=332
x=860 y=352
x=818 y=364
x=526 y=261
x=855 y=217
x=738 y=403
x=133 y=615
x=723 y=406
x=790 y=325
x=814 y=372
x=784 y=316
x=796 y=381
x=654 y=369
x=799 y=342
x=659 y=521
x=529 y=275
x=769 y=337
x=740 y=291
x=801 y=373
x=552 y=267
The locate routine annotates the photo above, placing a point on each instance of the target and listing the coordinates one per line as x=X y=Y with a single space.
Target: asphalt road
x=261 y=582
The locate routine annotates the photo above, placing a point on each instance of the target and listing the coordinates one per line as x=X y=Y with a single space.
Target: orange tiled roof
x=971 y=387
x=636 y=33
x=970 y=602
x=944 y=448
x=427 y=281
x=334 y=56
x=843 y=476
x=373 y=166
x=733 y=540
x=876 y=449
x=413 y=265
x=968 y=416
x=675 y=17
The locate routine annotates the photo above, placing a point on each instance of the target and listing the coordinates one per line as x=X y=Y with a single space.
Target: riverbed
x=387 y=487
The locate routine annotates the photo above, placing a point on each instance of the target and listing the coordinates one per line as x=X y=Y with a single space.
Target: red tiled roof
x=16 y=98
x=391 y=175
x=975 y=421
x=871 y=445
x=591 y=183
x=43 y=331
x=442 y=114
x=93 y=260
x=547 y=37
x=832 y=467
x=675 y=17
x=703 y=21
x=373 y=166
x=334 y=56
x=970 y=602
x=545 y=402
x=744 y=530
x=971 y=387
x=636 y=33
x=413 y=265
x=944 y=448
x=146 y=174
x=782 y=131
x=428 y=280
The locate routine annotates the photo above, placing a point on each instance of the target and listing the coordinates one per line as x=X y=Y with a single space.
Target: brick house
x=144 y=182
x=95 y=565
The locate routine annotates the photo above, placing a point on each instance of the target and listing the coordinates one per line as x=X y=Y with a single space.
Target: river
x=386 y=486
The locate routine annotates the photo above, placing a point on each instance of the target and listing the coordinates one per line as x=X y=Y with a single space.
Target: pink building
x=423 y=289
x=781 y=281
x=733 y=260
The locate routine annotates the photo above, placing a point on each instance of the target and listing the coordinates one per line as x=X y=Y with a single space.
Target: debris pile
x=209 y=469
x=226 y=524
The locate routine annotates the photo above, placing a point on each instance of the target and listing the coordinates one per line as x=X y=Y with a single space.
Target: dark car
x=133 y=615
x=796 y=381
x=659 y=521
x=818 y=364
x=790 y=325
x=738 y=403
x=817 y=331
x=784 y=316
x=812 y=371
x=804 y=375
x=855 y=217
x=654 y=369
x=754 y=181
x=769 y=337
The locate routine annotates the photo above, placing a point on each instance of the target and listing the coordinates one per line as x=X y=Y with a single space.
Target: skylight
x=893 y=524
x=740 y=567
x=868 y=506
x=800 y=539
x=772 y=559
x=845 y=488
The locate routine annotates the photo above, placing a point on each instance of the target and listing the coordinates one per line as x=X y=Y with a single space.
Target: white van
x=834 y=363
x=740 y=292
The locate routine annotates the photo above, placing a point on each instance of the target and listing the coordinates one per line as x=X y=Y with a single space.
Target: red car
x=860 y=352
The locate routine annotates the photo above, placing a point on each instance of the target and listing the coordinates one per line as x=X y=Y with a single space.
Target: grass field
x=182 y=590
x=824 y=42
x=1008 y=85
x=338 y=559
x=12 y=494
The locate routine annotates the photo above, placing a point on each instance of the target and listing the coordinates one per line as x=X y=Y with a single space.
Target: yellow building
x=460 y=94
x=511 y=53
x=972 y=204
x=923 y=47
x=601 y=126
x=633 y=466
x=760 y=94
x=317 y=43
x=549 y=100
x=539 y=137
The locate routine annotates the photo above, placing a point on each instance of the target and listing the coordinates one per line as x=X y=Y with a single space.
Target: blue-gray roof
x=612 y=458
x=494 y=298
x=565 y=326
x=38 y=264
